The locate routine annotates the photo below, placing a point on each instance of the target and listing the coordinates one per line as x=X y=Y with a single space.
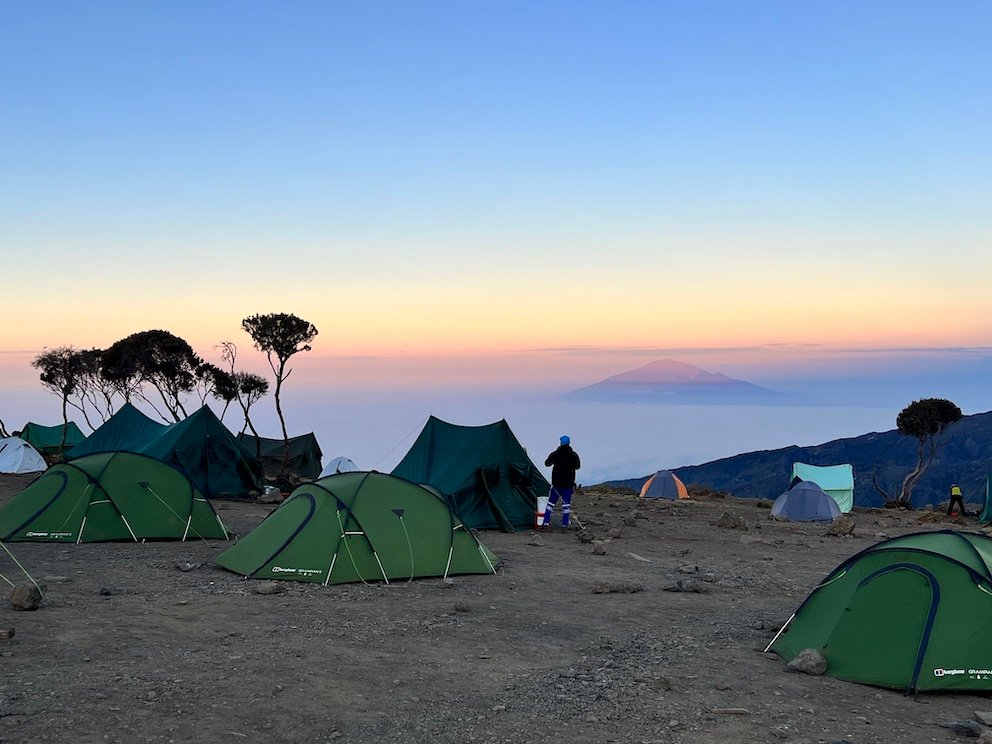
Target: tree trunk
x=65 y=423
x=282 y=421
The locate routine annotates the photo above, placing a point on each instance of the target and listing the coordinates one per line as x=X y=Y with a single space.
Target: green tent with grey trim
x=359 y=526
x=910 y=613
x=483 y=471
x=110 y=496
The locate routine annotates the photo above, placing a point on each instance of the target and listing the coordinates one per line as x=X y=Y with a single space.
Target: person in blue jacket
x=564 y=461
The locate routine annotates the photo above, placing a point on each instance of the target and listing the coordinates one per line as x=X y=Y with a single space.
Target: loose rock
x=268 y=587
x=808 y=661
x=841 y=527
x=730 y=522
x=25 y=597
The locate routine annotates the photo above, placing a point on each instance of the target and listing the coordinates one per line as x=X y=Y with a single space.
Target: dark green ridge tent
x=128 y=430
x=304 y=454
x=359 y=526
x=483 y=471
x=200 y=446
x=910 y=613
x=110 y=496
x=46 y=439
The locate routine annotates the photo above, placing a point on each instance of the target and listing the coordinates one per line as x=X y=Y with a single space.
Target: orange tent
x=664 y=485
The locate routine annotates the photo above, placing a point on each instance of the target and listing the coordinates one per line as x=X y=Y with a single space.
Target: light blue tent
x=805 y=502
x=836 y=480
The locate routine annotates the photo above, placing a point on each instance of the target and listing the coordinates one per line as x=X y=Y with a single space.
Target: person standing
x=564 y=461
x=956 y=498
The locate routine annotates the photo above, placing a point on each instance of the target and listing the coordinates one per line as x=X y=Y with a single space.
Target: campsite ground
x=128 y=648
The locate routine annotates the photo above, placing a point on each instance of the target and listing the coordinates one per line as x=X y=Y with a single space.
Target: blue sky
x=477 y=182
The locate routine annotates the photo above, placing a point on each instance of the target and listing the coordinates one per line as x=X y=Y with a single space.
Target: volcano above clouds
x=667 y=381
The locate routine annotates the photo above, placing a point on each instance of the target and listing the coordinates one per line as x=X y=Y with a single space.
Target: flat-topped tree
x=159 y=358
x=280 y=336
x=926 y=420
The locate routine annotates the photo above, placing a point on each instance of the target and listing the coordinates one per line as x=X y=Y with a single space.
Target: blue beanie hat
x=564 y=439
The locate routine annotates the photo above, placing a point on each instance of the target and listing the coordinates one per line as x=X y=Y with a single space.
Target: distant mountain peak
x=669 y=372
x=669 y=381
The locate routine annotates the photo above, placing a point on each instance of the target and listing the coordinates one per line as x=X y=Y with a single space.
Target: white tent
x=338 y=465
x=17 y=456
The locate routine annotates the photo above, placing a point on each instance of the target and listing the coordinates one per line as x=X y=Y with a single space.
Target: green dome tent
x=110 y=496
x=483 y=471
x=910 y=613
x=358 y=526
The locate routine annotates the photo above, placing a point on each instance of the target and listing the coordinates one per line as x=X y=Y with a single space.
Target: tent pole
x=780 y=632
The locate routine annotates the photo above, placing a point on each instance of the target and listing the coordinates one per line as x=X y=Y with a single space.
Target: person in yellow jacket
x=956 y=498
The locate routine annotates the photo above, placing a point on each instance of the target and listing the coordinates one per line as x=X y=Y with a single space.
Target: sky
x=499 y=193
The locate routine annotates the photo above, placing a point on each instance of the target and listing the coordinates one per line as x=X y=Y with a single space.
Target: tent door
x=883 y=632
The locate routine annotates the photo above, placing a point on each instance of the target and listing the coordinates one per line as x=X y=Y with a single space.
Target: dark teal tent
x=483 y=471
x=200 y=446
x=128 y=430
x=46 y=439
x=304 y=454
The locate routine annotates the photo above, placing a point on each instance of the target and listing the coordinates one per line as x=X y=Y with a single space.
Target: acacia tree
x=62 y=369
x=93 y=392
x=213 y=381
x=280 y=336
x=925 y=420
x=159 y=358
x=249 y=388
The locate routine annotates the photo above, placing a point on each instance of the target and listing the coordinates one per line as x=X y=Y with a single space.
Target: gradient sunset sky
x=463 y=178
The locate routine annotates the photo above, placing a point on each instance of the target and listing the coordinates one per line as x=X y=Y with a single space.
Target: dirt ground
x=126 y=647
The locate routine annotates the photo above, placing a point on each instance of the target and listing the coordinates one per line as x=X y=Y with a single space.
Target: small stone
x=663 y=683
x=640 y=558
x=964 y=728
x=808 y=661
x=731 y=711
x=601 y=587
x=984 y=717
x=6 y=634
x=25 y=597
x=185 y=566
x=584 y=536
x=599 y=547
x=614 y=533
x=536 y=541
x=55 y=579
x=721 y=685
x=841 y=527
x=268 y=587
x=462 y=607
x=106 y=591
x=730 y=522
x=446 y=583
x=567 y=673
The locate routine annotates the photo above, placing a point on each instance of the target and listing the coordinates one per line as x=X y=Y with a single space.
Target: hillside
x=672 y=382
x=965 y=457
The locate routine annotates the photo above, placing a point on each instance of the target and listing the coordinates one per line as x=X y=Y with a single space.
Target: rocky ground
x=572 y=642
